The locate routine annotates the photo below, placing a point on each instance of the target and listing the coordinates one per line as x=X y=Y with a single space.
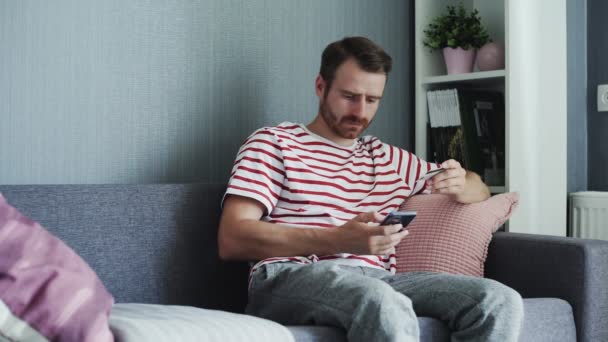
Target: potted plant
x=458 y=34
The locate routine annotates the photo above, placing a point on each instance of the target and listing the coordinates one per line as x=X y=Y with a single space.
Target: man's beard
x=331 y=119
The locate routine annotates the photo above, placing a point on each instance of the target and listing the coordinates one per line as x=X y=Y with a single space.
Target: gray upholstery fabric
x=158 y=244
x=575 y=270
x=311 y=333
x=431 y=330
x=148 y=243
x=548 y=320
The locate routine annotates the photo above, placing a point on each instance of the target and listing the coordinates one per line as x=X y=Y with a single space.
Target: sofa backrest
x=153 y=243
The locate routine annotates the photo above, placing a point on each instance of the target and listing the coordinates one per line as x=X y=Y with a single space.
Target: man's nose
x=359 y=108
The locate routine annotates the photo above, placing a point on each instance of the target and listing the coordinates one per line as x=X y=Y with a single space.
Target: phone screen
x=403 y=217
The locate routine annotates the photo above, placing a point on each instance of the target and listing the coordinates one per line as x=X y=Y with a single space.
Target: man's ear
x=320 y=85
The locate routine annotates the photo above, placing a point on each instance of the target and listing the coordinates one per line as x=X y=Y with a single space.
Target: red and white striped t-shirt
x=305 y=180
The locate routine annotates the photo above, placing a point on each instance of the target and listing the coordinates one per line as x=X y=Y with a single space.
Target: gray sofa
x=157 y=244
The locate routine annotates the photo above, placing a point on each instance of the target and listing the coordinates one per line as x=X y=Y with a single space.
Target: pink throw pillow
x=47 y=292
x=447 y=236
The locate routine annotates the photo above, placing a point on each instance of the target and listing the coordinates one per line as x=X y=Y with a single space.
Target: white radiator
x=589 y=215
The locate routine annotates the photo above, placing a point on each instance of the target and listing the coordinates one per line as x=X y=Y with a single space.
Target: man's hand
x=243 y=236
x=357 y=236
x=449 y=182
x=462 y=185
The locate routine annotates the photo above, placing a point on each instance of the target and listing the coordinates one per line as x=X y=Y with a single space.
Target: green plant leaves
x=456 y=29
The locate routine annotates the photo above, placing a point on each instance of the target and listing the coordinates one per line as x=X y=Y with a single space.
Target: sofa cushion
x=431 y=330
x=149 y=243
x=313 y=333
x=447 y=236
x=47 y=292
x=169 y=323
x=548 y=320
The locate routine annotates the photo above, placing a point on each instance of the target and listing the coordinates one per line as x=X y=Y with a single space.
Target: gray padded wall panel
x=108 y=91
x=577 y=96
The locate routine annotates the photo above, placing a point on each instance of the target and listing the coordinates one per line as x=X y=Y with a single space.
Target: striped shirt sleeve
x=413 y=169
x=258 y=170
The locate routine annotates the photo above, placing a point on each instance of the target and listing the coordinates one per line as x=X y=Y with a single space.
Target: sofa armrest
x=575 y=270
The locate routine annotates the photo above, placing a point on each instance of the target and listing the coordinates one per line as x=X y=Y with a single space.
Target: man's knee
x=354 y=285
x=309 y=289
x=500 y=300
x=355 y=289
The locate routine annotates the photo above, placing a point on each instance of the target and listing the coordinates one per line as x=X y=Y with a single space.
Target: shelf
x=535 y=92
x=473 y=77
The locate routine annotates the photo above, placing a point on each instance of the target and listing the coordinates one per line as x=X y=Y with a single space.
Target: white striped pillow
x=132 y=322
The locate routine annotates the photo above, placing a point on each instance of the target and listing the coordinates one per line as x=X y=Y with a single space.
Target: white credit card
x=432 y=173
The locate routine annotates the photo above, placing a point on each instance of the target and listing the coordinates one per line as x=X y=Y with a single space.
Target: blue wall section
x=597 y=73
x=577 y=95
x=114 y=91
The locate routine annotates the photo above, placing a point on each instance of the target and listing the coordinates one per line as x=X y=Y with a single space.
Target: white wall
x=537 y=88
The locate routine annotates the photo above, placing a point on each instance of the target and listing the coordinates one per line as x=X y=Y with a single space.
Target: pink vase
x=491 y=56
x=458 y=60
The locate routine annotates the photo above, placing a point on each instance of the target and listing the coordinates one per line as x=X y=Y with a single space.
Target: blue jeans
x=374 y=305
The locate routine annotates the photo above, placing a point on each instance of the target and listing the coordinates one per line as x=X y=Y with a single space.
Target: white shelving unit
x=534 y=87
x=479 y=77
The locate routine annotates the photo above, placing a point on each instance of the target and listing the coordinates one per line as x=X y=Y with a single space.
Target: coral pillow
x=447 y=236
x=47 y=292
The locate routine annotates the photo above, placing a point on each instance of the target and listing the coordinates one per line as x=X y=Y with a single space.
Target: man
x=307 y=202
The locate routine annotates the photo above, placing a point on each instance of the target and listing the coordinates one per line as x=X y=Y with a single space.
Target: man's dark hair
x=369 y=56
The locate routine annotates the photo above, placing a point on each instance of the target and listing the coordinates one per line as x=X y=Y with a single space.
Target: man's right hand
x=243 y=236
x=358 y=236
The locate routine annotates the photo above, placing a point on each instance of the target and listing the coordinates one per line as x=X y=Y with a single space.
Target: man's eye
x=372 y=100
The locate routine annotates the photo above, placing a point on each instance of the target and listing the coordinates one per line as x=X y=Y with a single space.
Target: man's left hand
x=449 y=182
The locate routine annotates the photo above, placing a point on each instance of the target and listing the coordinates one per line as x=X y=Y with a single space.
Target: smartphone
x=396 y=217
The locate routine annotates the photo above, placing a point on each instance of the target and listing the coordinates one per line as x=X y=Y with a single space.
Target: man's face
x=351 y=102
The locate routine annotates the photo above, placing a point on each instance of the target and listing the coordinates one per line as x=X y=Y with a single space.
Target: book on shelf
x=468 y=125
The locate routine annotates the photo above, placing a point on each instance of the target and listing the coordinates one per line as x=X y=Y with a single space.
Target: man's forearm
x=257 y=240
x=475 y=189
